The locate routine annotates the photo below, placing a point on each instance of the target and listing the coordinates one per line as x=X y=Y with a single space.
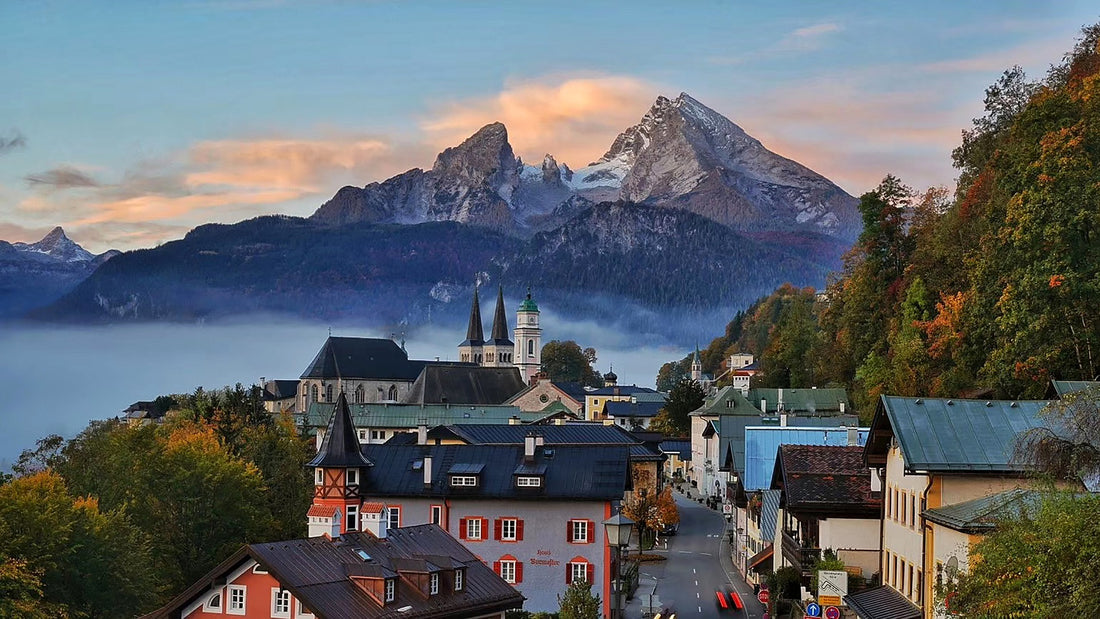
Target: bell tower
x=528 y=339
x=471 y=350
x=339 y=469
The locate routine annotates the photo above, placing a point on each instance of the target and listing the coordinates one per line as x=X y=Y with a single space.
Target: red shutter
x=569 y=531
x=498 y=525
x=519 y=572
x=496 y=567
x=591 y=573
x=461 y=528
x=568 y=573
x=519 y=530
x=484 y=528
x=590 y=533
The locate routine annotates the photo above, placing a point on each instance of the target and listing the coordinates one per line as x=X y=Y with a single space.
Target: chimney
x=876 y=481
x=539 y=440
x=377 y=523
x=422 y=434
x=763 y=405
x=842 y=408
x=782 y=420
x=427 y=470
x=529 y=447
x=853 y=437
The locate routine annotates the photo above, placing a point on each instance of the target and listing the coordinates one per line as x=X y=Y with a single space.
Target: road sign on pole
x=832 y=612
x=762 y=596
x=813 y=610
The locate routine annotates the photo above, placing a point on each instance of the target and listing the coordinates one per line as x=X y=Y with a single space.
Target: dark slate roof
x=280 y=389
x=824 y=478
x=982 y=514
x=574 y=390
x=620 y=390
x=633 y=409
x=952 y=436
x=340 y=447
x=317 y=571
x=464 y=384
x=581 y=433
x=475 y=336
x=363 y=357
x=882 y=603
x=596 y=472
x=681 y=447
x=499 y=334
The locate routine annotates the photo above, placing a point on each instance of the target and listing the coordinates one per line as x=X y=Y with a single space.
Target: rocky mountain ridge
x=681 y=154
x=36 y=274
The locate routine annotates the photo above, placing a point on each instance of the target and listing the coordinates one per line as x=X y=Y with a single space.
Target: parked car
x=670 y=529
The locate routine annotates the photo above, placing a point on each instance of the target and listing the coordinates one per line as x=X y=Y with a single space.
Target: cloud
x=574 y=119
x=14 y=141
x=62 y=177
x=1033 y=55
x=14 y=233
x=806 y=39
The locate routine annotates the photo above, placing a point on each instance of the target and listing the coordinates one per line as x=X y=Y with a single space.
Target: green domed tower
x=528 y=339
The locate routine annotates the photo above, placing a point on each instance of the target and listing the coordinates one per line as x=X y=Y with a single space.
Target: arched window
x=360 y=396
x=328 y=393
x=530 y=348
x=312 y=394
x=393 y=393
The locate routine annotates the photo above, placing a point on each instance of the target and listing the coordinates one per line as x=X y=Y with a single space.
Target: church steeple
x=474 y=333
x=500 y=320
x=340 y=446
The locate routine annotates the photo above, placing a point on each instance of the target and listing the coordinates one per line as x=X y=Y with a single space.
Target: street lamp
x=618 y=529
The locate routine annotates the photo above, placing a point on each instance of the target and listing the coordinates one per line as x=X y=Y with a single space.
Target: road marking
x=697 y=595
x=693 y=571
x=696 y=583
x=700 y=608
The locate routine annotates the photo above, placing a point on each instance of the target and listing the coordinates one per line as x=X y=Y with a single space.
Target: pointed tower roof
x=475 y=336
x=340 y=448
x=696 y=357
x=500 y=322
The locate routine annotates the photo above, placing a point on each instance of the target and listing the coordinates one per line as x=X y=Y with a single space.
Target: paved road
x=698 y=565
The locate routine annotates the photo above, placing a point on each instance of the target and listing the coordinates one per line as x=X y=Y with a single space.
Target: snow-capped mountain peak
x=57 y=245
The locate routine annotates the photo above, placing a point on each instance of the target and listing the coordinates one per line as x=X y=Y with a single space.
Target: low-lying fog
x=59 y=378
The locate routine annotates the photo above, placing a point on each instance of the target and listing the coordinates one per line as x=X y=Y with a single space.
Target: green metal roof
x=528 y=305
x=802 y=400
x=955 y=436
x=1062 y=387
x=413 y=415
x=728 y=401
x=983 y=514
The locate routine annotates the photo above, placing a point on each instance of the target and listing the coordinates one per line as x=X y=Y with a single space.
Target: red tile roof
x=324 y=511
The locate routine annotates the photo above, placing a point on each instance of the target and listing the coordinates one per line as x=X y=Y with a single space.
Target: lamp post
x=618 y=529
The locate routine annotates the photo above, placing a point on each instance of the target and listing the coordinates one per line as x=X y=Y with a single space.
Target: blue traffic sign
x=813 y=610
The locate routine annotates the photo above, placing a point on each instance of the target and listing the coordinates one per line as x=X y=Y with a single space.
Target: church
x=525 y=353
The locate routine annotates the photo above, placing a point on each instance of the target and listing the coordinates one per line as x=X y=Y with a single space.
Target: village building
x=531 y=511
x=543 y=395
x=367 y=369
x=941 y=462
x=377 y=423
x=596 y=399
x=416 y=571
x=280 y=396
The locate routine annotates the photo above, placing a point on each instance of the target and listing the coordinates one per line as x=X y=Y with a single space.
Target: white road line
x=700 y=609
x=696 y=583
x=697 y=595
x=693 y=571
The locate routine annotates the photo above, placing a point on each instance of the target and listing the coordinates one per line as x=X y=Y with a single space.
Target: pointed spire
x=500 y=319
x=340 y=447
x=474 y=333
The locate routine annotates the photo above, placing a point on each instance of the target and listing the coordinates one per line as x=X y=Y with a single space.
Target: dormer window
x=353 y=477
x=213 y=604
x=528 y=481
x=433 y=584
x=391 y=589
x=464 y=480
x=459 y=575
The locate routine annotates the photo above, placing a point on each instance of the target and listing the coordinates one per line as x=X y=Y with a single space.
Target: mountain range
x=685 y=213
x=36 y=274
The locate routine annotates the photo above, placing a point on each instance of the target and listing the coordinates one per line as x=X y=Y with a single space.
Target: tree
x=1043 y=563
x=579 y=602
x=566 y=362
x=674 y=418
x=1067 y=445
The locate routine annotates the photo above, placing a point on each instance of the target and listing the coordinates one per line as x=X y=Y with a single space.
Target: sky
x=129 y=123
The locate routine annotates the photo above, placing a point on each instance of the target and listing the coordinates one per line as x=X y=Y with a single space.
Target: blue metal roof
x=762 y=444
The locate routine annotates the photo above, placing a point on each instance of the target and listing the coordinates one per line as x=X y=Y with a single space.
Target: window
x=319 y=476
x=579 y=532
x=353 y=517
x=508 y=571
x=889 y=502
x=280 y=602
x=579 y=570
x=391 y=589
x=303 y=612
x=508 y=529
x=213 y=604
x=913 y=511
x=313 y=393
x=433 y=584
x=328 y=393
x=362 y=436
x=360 y=395
x=464 y=480
x=237 y=600
x=529 y=482
x=437 y=515
x=904 y=507
x=530 y=348
x=459 y=574
x=394 y=514
x=353 y=477
x=393 y=393
x=473 y=528
x=377 y=435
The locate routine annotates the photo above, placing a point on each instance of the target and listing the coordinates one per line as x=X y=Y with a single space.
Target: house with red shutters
x=531 y=511
x=411 y=572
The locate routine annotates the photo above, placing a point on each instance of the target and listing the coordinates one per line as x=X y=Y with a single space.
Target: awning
x=761 y=557
x=882 y=603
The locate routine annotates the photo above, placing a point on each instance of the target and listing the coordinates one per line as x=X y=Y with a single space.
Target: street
x=698 y=565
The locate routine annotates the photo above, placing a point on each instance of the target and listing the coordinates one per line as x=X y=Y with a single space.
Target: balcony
x=802 y=558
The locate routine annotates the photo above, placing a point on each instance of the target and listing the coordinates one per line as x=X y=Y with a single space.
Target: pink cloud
x=574 y=119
